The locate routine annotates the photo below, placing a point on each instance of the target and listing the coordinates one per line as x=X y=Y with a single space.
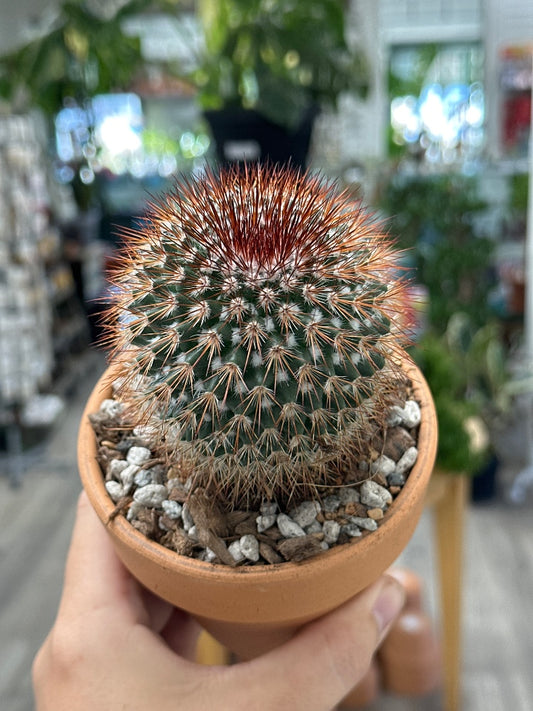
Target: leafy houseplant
x=466 y=369
x=436 y=218
x=462 y=353
x=276 y=57
x=82 y=54
x=256 y=340
x=444 y=370
x=270 y=65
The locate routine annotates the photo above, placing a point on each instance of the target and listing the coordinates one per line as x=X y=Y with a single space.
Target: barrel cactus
x=256 y=322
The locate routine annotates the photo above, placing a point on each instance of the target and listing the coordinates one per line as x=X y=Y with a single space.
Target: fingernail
x=389 y=603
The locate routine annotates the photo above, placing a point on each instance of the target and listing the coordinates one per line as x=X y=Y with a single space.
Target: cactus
x=256 y=322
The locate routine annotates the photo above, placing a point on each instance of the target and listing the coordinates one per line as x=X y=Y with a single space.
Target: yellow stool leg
x=210 y=652
x=449 y=522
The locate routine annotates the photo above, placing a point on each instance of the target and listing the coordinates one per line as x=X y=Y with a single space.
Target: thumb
x=316 y=669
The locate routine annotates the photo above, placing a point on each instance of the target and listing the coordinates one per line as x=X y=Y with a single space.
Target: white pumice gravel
x=305 y=513
x=146 y=433
x=367 y=523
x=250 y=547
x=151 y=495
x=383 y=465
x=265 y=522
x=408 y=416
x=134 y=510
x=127 y=477
x=193 y=533
x=407 y=460
x=350 y=529
x=143 y=477
x=116 y=467
x=289 y=528
x=115 y=490
x=111 y=409
x=209 y=556
x=411 y=414
x=374 y=495
x=396 y=479
x=236 y=551
x=331 y=530
x=395 y=416
x=188 y=521
x=314 y=527
x=172 y=509
x=151 y=490
x=138 y=455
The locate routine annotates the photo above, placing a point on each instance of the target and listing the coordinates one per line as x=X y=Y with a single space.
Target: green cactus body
x=258 y=308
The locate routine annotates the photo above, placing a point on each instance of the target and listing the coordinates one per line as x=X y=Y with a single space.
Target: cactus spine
x=256 y=322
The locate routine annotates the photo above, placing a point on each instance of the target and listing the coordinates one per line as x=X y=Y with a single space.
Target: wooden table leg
x=449 y=523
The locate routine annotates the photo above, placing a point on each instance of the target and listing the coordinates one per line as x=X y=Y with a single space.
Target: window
x=437 y=105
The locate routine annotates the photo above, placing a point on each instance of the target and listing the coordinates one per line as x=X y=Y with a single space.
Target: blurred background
x=422 y=108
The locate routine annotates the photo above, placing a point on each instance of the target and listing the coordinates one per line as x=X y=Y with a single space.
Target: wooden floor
x=35 y=524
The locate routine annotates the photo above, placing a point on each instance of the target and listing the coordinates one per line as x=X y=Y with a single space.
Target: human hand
x=116 y=646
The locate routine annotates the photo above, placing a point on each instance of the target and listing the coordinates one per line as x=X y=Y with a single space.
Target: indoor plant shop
x=287 y=379
x=260 y=446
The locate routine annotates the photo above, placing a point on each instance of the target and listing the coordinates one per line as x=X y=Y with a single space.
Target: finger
x=325 y=660
x=159 y=611
x=94 y=575
x=181 y=634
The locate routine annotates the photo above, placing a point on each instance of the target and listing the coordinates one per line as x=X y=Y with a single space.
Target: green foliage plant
x=446 y=377
x=277 y=57
x=256 y=324
x=435 y=219
x=462 y=353
x=83 y=53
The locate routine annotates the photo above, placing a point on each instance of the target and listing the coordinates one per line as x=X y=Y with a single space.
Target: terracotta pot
x=411 y=657
x=412 y=584
x=252 y=609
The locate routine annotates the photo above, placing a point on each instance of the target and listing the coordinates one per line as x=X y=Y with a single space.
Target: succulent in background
x=256 y=323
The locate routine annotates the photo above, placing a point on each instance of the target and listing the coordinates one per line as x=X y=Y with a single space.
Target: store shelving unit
x=40 y=324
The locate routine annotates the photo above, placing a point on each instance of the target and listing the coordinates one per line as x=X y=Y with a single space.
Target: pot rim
x=166 y=558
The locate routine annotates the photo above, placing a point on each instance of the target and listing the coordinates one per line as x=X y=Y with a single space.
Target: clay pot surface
x=270 y=601
x=411 y=657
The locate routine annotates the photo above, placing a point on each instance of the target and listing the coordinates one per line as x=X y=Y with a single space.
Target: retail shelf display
x=26 y=350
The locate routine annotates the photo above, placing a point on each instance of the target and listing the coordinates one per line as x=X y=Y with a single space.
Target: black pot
x=484 y=483
x=243 y=135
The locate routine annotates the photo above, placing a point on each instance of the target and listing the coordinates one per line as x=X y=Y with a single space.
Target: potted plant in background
x=266 y=70
x=257 y=364
x=462 y=439
x=461 y=350
x=438 y=219
x=484 y=388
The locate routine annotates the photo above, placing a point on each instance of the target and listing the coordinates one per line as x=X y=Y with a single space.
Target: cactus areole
x=256 y=320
